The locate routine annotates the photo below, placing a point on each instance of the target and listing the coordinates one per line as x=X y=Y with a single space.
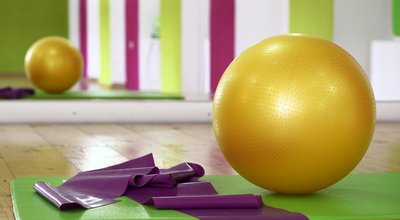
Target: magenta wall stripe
x=132 y=44
x=222 y=37
x=83 y=41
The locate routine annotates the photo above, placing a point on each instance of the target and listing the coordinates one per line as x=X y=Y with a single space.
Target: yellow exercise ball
x=53 y=64
x=294 y=114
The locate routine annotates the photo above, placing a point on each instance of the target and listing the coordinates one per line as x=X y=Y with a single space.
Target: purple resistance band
x=175 y=188
x=222 y=38
x=132 y=44
x=15 y=93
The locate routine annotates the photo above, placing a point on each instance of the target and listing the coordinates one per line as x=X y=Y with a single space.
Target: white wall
x=117 y=42
x=358 y=22
x=73 y=22
x=194 y=53
x=93 y=35
x=149 y=53
x=259 y=19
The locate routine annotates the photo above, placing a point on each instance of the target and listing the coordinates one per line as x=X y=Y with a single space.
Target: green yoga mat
x=104 y=94
x=358 y=196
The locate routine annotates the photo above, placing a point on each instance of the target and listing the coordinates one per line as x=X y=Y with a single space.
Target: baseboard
x=107 y=111
x=388 y=111
x=118 y=111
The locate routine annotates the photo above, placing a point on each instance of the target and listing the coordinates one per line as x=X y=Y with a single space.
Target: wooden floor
x=55 y=150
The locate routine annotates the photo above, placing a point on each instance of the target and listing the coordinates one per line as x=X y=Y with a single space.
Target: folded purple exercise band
x=175 y=188
x=15 y=93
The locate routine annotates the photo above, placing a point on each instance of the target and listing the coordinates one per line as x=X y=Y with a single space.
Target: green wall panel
x=396 y=17
x=170 y=41
x=22 y=22
x=105 y=50
x=312 y=17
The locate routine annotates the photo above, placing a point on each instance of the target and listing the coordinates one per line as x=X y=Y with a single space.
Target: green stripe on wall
x=170 y=41
x=23 y=22
x=396 y=17
x=105 y=66
x=312 y=17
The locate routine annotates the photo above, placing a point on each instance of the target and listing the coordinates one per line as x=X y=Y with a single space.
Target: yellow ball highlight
x=294 y=114
x=53 y=64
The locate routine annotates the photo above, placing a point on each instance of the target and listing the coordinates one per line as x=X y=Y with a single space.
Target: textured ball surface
x=294 y=114
x=53 y=64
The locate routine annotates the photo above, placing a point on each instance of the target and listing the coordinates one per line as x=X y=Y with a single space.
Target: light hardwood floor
x=59 y=150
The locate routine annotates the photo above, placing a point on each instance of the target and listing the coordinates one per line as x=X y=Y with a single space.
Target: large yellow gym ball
x=53 y=64
x=294 y=114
